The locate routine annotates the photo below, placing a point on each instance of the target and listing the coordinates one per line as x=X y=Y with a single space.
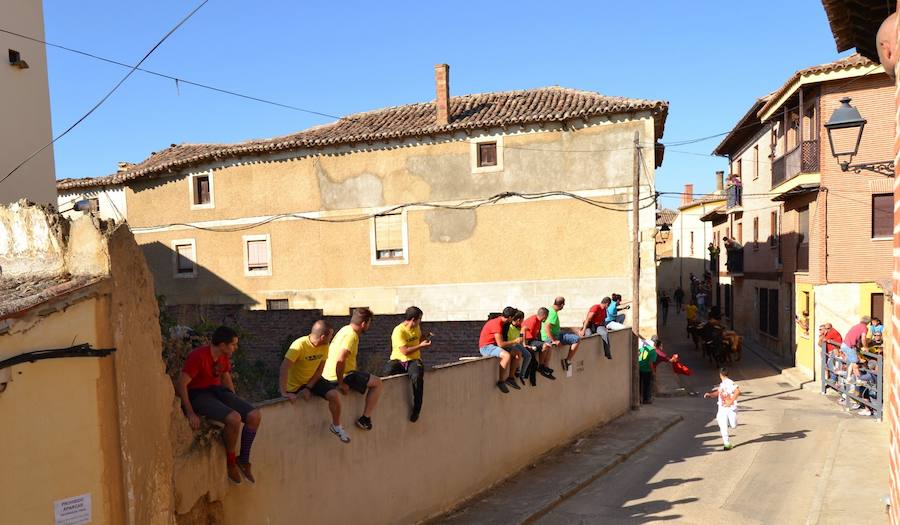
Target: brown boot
x=234 y=474
x=247 y=472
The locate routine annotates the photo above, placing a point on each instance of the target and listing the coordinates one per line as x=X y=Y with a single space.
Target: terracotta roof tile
x=665 y=216
x=853 y=61
x=467 y=112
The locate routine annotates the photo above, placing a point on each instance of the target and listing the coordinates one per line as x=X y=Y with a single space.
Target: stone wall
x=267 y=333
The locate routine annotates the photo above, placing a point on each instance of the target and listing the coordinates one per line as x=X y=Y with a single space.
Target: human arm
x=228 y=381
x=286 y=365
x=498 y=340
x=307 y=388
x=183 y=381
x=712 y=393
x=339 y=370
x=406 y=350
x=547 y=328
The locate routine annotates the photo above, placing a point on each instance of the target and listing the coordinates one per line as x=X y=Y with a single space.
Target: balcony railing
x=802 y=159
x=733 y=196
x=734 y=262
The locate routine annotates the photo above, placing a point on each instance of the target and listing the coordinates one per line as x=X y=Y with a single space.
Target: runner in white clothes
x=727 y=393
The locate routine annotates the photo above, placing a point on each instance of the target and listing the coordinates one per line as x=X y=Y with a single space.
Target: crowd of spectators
x=847 y=363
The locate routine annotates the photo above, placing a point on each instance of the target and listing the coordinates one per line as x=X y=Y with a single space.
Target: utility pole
x=635 y=271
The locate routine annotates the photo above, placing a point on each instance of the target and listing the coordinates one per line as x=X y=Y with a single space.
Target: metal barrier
x=837 y=380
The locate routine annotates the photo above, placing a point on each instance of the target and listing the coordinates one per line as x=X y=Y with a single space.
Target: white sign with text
x=73 y=511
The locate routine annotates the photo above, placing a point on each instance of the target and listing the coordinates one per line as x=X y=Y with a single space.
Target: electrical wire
x=109 y=93
x=465 y=205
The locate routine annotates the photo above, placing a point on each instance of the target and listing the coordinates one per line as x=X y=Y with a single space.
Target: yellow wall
x=60 y=438
x=806 y=357
x=461 y=445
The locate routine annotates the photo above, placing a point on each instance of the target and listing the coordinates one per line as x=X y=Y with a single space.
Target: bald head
x=886 y=44
x=559 y=303
x=320 y=333
x=320 y=327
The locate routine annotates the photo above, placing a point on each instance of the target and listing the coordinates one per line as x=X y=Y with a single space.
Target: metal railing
x=733 y=196
x=868 y=393
x=734 y=261
x=804 y=158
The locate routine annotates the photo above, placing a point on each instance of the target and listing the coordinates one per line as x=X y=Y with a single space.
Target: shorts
x=850 y=352
x=321 y=388
x=358 y=381
x=567 y=338
x=537 y=344
x=491 y=351
x=216 y=402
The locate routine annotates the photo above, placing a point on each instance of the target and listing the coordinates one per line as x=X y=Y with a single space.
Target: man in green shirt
x=550 y=332
x=646 y=358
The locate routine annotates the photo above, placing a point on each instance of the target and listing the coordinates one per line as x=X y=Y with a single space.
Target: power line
x=178 y=80
x=465 y=205
x=109 y=93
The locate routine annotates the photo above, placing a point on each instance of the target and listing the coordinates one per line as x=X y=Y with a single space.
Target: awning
x=796 y=191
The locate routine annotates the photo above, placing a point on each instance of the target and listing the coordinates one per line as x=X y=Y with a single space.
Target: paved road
x=797 y=459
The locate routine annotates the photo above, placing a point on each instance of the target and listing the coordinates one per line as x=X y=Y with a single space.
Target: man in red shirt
x=531 y=330
x=855 y=338
x=492 y=343
x=595 y=323
x=829 y=341
x=206 y=388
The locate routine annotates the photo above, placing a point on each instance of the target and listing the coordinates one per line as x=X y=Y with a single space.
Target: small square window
x=201 y=189
x=257 y=255
x=277 y=304
x=389 y=237
x=184 y=258
x=487 y=154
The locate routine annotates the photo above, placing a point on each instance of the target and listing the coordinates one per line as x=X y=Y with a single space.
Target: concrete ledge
x=563 y=472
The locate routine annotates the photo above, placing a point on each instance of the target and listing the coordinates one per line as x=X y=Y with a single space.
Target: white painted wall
x=111 y=200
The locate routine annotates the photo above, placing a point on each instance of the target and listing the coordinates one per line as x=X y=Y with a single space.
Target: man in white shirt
x=727 y=393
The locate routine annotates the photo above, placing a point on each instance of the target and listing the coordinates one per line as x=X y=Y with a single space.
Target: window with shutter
x=773 y=227
x=277 y=304
x=487 y=154
x=882 y=215
x=773 y=313
x=184 y=257
x=257 y=255
x=201 y=190
x=755 y=233
x=389 y=237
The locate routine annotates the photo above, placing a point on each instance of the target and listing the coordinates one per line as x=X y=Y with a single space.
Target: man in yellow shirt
x=340 y=366
x=406 y=355
x=301 y=374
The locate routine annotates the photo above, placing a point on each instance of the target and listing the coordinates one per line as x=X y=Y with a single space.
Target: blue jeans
x=490 y=351
x=565 y=339
x=850 y=352
x=526 y=357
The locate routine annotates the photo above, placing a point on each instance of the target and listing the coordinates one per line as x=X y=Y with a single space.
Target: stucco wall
x=60 y=439
x=462 y=444
x=25 y=125
x=112 y=204
x=461 y=263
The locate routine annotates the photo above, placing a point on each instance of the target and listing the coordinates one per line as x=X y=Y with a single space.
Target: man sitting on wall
x=615 y=320
x=406 y=356
x=830 y=342
x=340 y=366
x=491 y=343
x=531 y=329
x=550 y=332
x=595 y=323
x=301 y=374
x=206 y=389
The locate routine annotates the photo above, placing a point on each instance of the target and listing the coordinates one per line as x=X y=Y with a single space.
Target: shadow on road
x=777 y=436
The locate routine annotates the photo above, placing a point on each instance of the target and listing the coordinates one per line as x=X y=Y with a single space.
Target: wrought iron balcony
x=733 y=196
x=734 y=261
x=802 y=159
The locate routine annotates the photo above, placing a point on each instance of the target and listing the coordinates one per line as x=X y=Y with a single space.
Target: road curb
x=620 y=458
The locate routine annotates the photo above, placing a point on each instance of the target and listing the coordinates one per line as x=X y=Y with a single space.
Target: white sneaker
x=340 y=433
x=865 y=412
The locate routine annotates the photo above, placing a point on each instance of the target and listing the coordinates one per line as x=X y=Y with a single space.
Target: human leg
x=416 y=372
x=334 y=406
x=572 y=340
x=722 y=420
x=646 y=379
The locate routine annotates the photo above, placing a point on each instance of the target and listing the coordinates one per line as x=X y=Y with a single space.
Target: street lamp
x=845 y=129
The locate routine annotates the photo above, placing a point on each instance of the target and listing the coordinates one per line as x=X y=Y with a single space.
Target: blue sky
x=709 y=59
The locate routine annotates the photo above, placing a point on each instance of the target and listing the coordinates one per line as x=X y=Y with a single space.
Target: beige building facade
x=460 y=219
x=25 y=126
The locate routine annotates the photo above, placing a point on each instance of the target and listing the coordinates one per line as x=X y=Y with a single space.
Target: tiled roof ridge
x=470 y=111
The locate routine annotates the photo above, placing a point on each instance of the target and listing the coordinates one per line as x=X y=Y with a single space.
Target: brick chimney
x=720 y=175
x=688 y=194
x=442 y=86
